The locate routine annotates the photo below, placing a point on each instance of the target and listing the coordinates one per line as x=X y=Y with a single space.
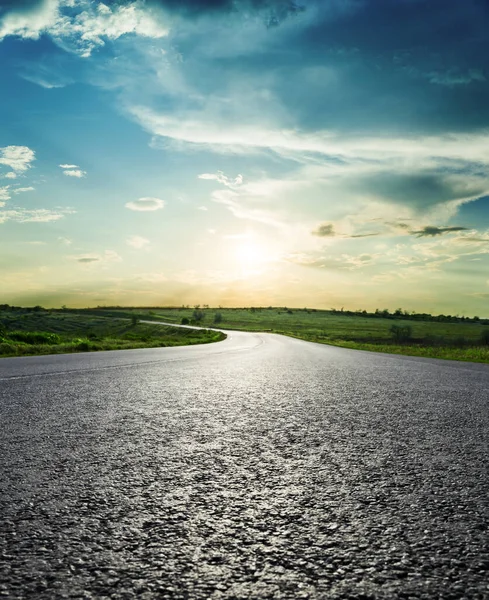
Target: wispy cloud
x=325 y=230
x=137 y=241
x=145 y=204
x=109 y=256
x=73 y=171
x=23 y=189
x=41 y=215
x=432 y=231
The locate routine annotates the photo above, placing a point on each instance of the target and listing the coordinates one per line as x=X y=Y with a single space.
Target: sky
x=301 y=153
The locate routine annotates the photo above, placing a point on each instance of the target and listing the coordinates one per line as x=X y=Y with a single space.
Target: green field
x=33 y=331
x=27 y=331
x=448 y=337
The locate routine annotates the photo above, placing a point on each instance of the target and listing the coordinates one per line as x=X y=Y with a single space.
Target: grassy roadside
x=455 y=339
x=26 y=332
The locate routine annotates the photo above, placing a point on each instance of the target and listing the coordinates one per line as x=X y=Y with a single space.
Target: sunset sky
x=320 y=153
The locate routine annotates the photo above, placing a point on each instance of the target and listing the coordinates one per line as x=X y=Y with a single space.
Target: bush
x=459 y=342
x=6 y=348
x=34 y=337
x=401 y=333
x=484 y=339
x=185 y=321
x=198 y=315
x=218 y=317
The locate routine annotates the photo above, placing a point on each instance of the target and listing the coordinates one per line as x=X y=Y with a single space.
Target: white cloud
x=10 y=175
x=221 y=178
x=4 y=195
x=145 y=204
x=18 y=158
x=65 y=241
x=138 y=242
x=41 y=215
x=68 y=166
x=24 y=189
x=84 y=25
x=75 y=173
x=29 y=23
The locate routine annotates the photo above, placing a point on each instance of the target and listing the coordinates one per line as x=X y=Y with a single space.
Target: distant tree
x=401 y=333
x=218 y=317
x=134 y=320
x=198 y=315
x=185 y=321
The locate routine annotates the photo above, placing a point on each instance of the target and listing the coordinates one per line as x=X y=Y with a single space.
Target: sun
x=251 y=257
x=249 y=253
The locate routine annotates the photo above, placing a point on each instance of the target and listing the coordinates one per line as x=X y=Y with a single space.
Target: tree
x=198 y=315
x=218 y=317
x=401 y=333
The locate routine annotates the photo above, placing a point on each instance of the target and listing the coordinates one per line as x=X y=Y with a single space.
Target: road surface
x=258 y=467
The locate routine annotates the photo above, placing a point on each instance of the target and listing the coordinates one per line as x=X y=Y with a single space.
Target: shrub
x=198 y=315
x=459 y=342
x=401 y=333
x=218 y=317
x=484 y=339
x=34 y=337
x=6 y=348
x=185 y=321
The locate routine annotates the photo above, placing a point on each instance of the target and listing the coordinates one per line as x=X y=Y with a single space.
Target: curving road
x=258 y=467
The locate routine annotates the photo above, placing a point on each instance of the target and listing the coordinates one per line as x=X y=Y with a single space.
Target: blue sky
x=245 y=152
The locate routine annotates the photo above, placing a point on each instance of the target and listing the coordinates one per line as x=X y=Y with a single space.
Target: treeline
x=199 y=312
x=399 y=313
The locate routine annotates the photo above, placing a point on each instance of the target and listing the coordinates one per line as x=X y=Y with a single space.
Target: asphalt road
x=258 y=467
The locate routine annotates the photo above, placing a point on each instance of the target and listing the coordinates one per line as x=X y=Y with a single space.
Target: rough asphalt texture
x=259 y=467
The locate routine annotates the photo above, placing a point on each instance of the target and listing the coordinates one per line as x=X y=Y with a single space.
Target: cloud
x=145 y=204
x=18 y=158
x=28 y=19
x=23 y=189
x=109 y=256
x=324 y=230
x=363 y=235
x=41 y=215
x=88 y=259
x=10 y=175
x=4 y=195
x=49 y=72
x=138 y=242
x=432 y=231
x=221 y=178
x=274 y=10
x=345 y=262
x=80 y=27
x=75 y=173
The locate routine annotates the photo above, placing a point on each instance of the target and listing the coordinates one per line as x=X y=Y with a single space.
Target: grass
x=26 y=332
x=457 y=340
